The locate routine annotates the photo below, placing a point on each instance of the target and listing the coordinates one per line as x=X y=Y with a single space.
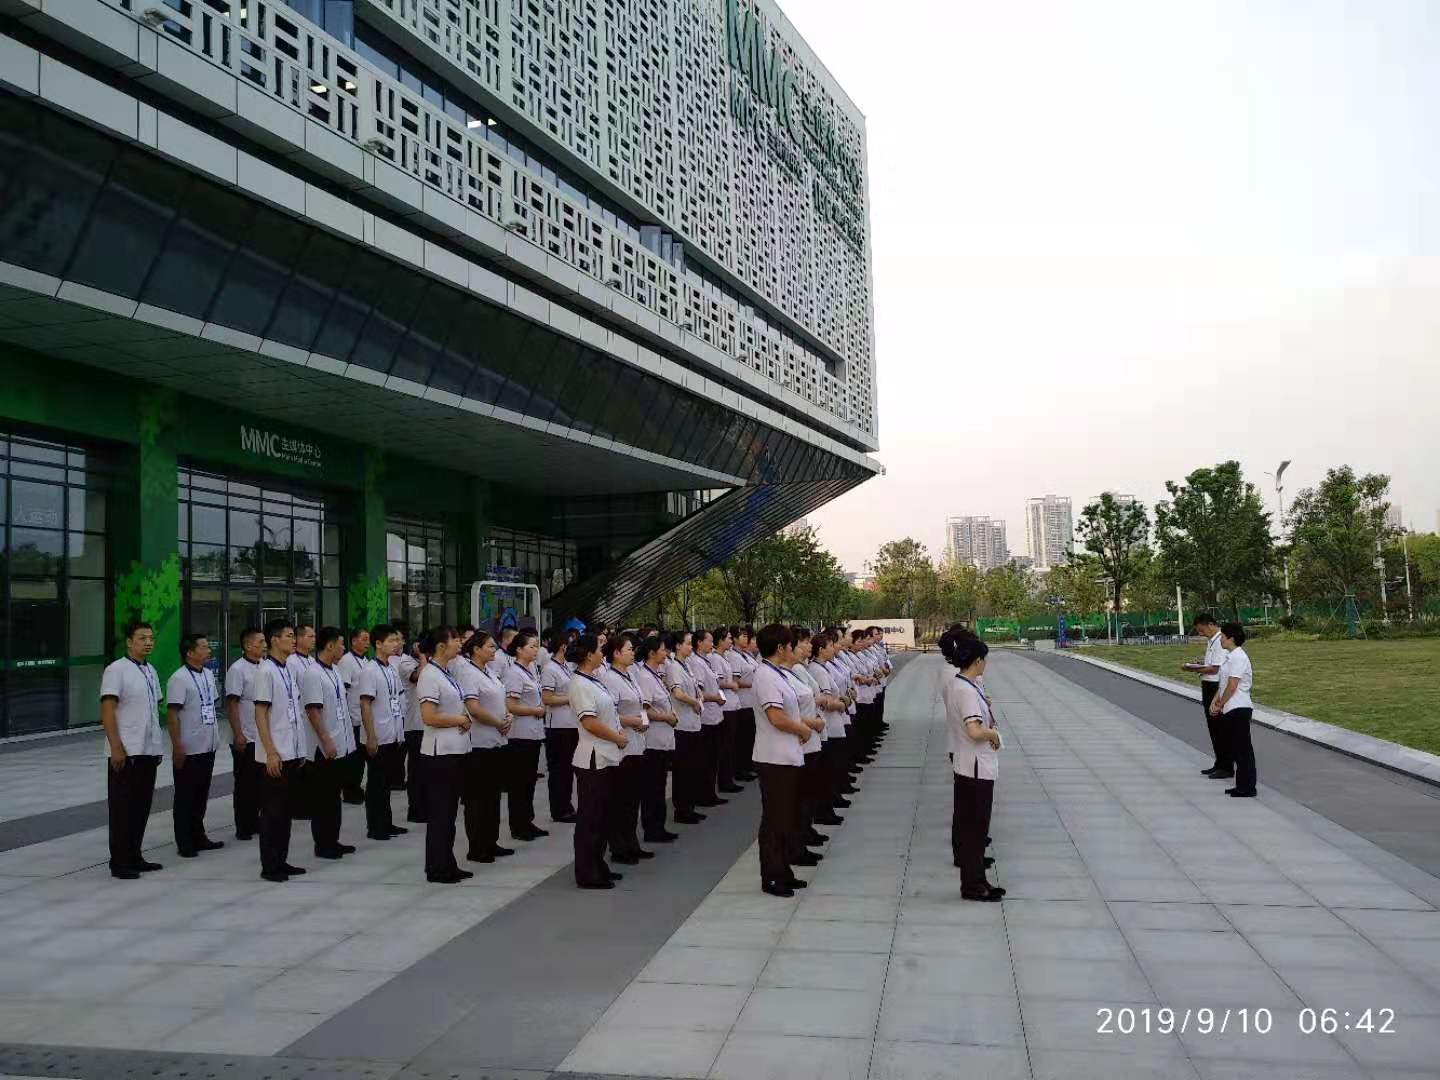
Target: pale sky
x=1114 y=242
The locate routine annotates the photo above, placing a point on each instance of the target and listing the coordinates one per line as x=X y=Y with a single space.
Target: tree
x=749 y=575
x=1007 y=591
x=1078 y=583
x=1214 y=535
x=904 y=576
x=1116 y=533
x=1337 y=530
x=958 y=589
x=1150 y=591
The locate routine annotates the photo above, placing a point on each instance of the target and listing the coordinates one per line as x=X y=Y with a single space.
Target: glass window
x=130 y=216
x=37 y=620
x=503 y=351
x=420 y=351
x=197 y=250
x=87 y=555
x=364 y=281
x=390 y=317
x=35 y=552
x=87 y=618
x=310 y=291
x=251 y=287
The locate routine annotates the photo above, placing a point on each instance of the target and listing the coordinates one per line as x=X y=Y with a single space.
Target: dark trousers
x=353 y=776
x=192 y=792
x=725 y=752
x=130 y=790
x=709 y=762
x=743 y=750
x=484 y=781
x=1236 y=724
x=324 y=779
x=1224 y=757
x=779 y=819
x=655 y=765
x=593 y=792
x=444 y=780
x=387 y=768
x=625 y=804
x=837 y=767
x=414 y=777
x=814 y=790
x=246 y=793
x=689 y=756
x=559 y=772
x=523 y=760
x=278 y=796
x=968 y=829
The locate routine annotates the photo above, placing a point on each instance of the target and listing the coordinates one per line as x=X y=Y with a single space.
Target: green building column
x=145 y=543
x=367 y=593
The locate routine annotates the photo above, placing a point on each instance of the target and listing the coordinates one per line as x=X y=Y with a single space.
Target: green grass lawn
x=1389 y=689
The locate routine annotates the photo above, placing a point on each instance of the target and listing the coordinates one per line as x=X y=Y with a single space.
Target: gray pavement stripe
x=54 y=824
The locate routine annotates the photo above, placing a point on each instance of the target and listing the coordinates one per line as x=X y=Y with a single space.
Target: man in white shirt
x=130 y=715
x=240 y=711
x=192 y=705
x=382 y=716
x=1209 y=671
x=303 y=658
x=330 y=741
x=1234 y=707
x=352 y=670
x=281 y=748
x=780 y=735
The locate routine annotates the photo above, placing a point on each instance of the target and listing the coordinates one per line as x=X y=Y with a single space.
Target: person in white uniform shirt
x=813 y=789
x=527 y=733
x=618 y=676
x=382 y=723
x=712 y=702
x=598 y=753
x=726 y=782
x=331 y=740
x=780 y=735
x=352 y=672
x=303 y=658
x=484 y=697
x=240 y=711
x=280 y=751
x=1234 y=707
x=832 y=711
x=408 y=665
x=192 y=704
x=659 y=739
x=742 y=671
x=502 y=654
x=976 y=761
x=561 y=731
x=444 y=753
x=685 y=697
x=130 y=715
x=1209 y=671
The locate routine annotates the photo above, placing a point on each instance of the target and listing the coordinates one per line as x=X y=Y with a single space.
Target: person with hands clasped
x=780 y=735
x=129 y=713
x=484 y=696
x=598 y=753
x=685 y=700
x=240 y=712
x=659 y=739
x=1233 y=707
x=444 y=751
x=561 y=731
x=191 y=707
x=280 y=751
x=976 y=748
x=527 y=734
x=382 y=717
x=331 y=735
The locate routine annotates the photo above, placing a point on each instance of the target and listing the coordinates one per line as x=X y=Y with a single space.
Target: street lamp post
x=1279 y=475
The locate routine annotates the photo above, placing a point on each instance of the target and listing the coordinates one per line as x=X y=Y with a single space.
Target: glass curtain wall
x=423 y=565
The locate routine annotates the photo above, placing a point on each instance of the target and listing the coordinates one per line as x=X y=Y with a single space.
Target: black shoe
x=279 y=877
x=988 y=841
x=536 y=832
x=814 y=837
x=616 y=877
x=524 y=838
x=480 y=858
x=464 y=875
x=807 y=859
x=378 y=836
x=346 y=849
x=707 y=803
x=447 y=878
x=397 y=830
x=777 y=888
x=796 y=883
x=416 y=819
x=1211 y=769
x=330 y=853
x=665 y=837
x=596 y=884
x=355 y=800
x=126 y=875
x=746 y=778
x=625 y=860
x=1236 y=793
x=831 y=819
x=989 y=862
x=244 y=836
x=210 y=845
x=564 y=819
x=148 y=867
x=643 y=854
x=1227 y=775
x=500 y=852
x=689 y=819
x=730 y=789
x=187 y=854
x=842 y=803
x=991 y=897
x=293 y=871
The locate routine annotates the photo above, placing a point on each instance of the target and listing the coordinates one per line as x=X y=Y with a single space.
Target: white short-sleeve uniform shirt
x=1237 y=666
x=1214 y=657
x=276 y=687
x=298 y=665
x=522 y=685
x=404 y=667
x=438 y=688
x=323 y=687
x=478 y=685
x=742 y=666
x=805 y=689
x=824 y=680
x=720 y=668
x=555 y=677
x=387 y=705
x=629 y=702
x=705 y=682
x=678 y=677
x=592 y=698
x=653 y=690
x=198 y=702
x=136 y=690
x=964 y=701
x=240 y=685
x=775 y=689
x=352 y=670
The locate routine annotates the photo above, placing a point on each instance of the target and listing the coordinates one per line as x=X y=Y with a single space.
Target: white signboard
x=899 y=633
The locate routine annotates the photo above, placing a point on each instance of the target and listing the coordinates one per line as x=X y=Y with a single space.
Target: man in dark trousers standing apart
x=1209 y=672
x=130 y=715
x=191 y=705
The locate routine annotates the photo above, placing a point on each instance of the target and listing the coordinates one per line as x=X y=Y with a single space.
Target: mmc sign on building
x=310 y=308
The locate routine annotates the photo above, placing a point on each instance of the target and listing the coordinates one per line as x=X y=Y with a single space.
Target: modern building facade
x=1049 y=530
x=978 y=541
x=331 y=308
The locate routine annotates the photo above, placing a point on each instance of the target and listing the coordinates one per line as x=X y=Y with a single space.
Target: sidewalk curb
x=1417 y=764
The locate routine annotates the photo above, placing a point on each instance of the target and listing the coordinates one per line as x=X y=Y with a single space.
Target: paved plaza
x=1133 y=885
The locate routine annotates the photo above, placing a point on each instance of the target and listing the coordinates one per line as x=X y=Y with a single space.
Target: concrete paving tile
x=1114 y=1064
x=825 y=970
x=952 y=912
x=705 y=966
x=175 y=946
x=384 y=948
x=1351 y=951
x=678 y=1008
x=200 y=986
x=1375 y=923
x=1154 y=948
x=1153 y=915
x=122 y=1027
x=729 y=933
x=1227 y=1069
x=1419 y=956
x=754 y=1056
x=926 y=1016
x=1342 y=989
x=1235 y=892
x=912 y=973
x=1262 y=918
x=939 y=1061
x=1156 y=890
x=620 y=1051
x=1376 y=894
x=837 y=936
x=1082 y=914
x=1060 y=1024
x=1207 y=985
x=1415 y=1044
x=1069 y=943
x=1275 y=1037
x=1046 y=888
x=977 y=945
x=21 y=1020
x=1082 y=980
x=796 y=1011
x=93 y=981
x=275 y=948
x=848 y=908
x=240 y=1030
x=314 y=990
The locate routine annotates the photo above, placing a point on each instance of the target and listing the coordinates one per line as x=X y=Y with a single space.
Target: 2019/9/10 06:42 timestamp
x=1163 y=1020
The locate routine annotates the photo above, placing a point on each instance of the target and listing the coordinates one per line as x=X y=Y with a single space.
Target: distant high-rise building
x=1395 y=517
x=1049 y=530
x=979 y=541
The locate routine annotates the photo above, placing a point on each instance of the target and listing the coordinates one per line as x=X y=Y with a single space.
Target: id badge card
x=207 y=714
